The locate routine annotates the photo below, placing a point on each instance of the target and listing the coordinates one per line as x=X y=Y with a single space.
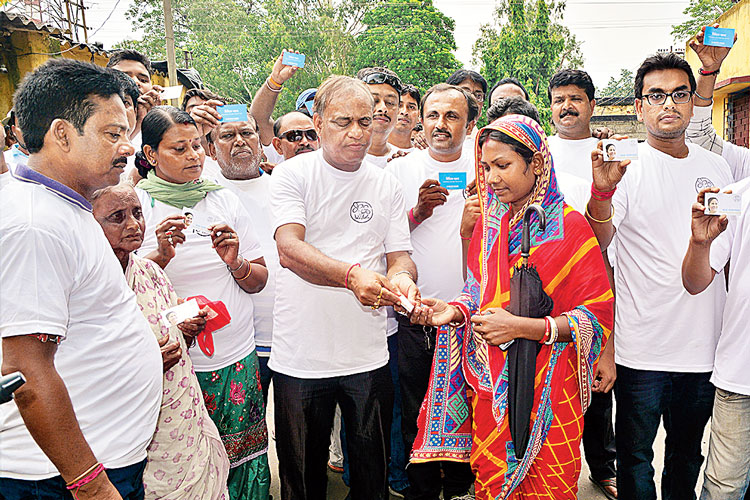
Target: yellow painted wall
x=737 y=62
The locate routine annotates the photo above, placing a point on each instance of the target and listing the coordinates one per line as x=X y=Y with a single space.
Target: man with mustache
x=666 y=338
x=293 y=134
x=235 y=147
x=68 y=320
x=385 y=88
x=448 y=113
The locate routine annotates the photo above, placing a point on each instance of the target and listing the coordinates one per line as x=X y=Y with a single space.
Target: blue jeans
x=684 y=401
x=128 y=481
x=727 y=475
x=266 y=374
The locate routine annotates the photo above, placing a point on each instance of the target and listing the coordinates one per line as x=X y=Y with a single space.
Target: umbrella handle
x=525 y=237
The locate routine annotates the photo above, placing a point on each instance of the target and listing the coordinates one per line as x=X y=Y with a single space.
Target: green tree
x=410 y=37
x=619 y=87
x=701 y=13
x=527 y=41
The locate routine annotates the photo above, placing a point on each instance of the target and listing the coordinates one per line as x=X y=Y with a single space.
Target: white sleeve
x=243 y=225
x=620 y=202
x=287 y=197
x=37 y=276
x=701 y=130
x=398 y=237
x=272 y=155
x=738 y=159
x=721 y=247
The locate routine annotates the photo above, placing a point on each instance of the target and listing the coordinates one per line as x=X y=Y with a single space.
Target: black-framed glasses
x=378 y=78
x=659 y=98
x=296 y=135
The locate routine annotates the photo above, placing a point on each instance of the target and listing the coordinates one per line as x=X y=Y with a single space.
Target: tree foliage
x=410 y=37
x=527 y=41
x=701 y=13
x=619 y=87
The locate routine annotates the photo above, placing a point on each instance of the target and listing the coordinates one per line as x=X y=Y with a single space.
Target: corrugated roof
x=12 y=21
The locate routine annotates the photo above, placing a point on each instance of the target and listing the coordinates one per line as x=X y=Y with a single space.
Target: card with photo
x=197 y=222
x=723 y=204
x=625 y=149
x=177 y=314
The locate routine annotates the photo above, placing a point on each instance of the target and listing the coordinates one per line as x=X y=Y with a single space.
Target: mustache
x=381 y=115
x=441 y=131
x=303 y=148
x=567 y=112
x=120 y=160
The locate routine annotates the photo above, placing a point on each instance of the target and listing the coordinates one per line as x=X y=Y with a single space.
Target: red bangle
x=86 y=480
x=547 y=331
x=708 y=73
x=465 y=239
x=601 y=195
x=346 y=280
x=412 y=218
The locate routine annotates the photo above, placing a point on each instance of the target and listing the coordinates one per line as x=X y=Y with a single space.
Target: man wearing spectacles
x=666 y=338
x=294 y=134
x=385 y=87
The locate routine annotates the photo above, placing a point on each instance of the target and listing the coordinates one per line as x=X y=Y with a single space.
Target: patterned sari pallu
x=464 y=414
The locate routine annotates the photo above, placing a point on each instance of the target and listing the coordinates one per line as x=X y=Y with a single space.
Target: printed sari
x=463 y=416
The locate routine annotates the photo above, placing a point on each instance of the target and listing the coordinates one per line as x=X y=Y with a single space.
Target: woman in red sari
x=464 y=415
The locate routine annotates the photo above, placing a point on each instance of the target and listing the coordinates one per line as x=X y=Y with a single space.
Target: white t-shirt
x=322 y=331
x=272 y=155
x=197 y=269
x=573 y=156
x=14 y=156
x=436 y=241
x=701 y=131
x=255 y=195
x=5 y=178
x=211 y=169
x=59 y=275
x=659 y=325
x=733 y=350
x=575 y=190
x=381 y=161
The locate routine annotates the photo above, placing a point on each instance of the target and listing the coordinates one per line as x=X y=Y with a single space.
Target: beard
x=242 y=168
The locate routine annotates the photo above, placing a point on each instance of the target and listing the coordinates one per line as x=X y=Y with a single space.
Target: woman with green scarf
x=217 y=256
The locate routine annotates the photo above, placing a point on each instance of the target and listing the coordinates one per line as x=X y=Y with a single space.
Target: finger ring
x=168 y=233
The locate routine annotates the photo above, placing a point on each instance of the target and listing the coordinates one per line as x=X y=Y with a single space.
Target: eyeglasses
x=296 y=135
x=378 y=78
x=659 y=98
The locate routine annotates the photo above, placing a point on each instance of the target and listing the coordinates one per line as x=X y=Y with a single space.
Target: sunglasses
x=296 y=135
x=378 y=78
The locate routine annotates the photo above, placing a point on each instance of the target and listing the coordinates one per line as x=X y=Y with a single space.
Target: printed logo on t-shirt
x=703 y=183
x=361 y=212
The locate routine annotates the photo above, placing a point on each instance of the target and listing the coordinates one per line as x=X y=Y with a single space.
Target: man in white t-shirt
x=666 y=338
x=340 y=227
x=235 y=146
x=717 y=240
x=701 y=129
x=68 y=320
x=572 y=102
x=386 y=88
x=435 y=209
x=408 y=117
x=294 y=134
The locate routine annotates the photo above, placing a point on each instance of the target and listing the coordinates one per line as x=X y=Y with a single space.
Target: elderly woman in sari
x=465 y=414
x=186 y=458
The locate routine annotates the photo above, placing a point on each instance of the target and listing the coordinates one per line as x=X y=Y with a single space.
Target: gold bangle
x=84 y=474
x=249 y=271
x=611 y=215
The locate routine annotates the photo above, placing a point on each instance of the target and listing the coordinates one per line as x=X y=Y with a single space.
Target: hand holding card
x=718 y=37
x=293 y=59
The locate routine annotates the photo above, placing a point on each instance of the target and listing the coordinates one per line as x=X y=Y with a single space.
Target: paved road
x=337 y=490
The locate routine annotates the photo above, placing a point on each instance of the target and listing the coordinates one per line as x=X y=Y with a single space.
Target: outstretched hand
x=607 y=174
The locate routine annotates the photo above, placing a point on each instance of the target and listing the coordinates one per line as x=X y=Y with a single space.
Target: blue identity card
x=293 y=59
x=233 y=112
x=452 y=180
x=718 y=37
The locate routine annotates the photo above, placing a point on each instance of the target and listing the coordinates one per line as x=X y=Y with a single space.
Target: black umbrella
x=528 y=299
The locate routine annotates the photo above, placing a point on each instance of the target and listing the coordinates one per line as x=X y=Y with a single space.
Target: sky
x=615 y=34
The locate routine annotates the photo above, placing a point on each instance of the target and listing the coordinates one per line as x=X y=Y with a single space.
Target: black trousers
x=599 y=437
x=416 y=346
x=304 y=410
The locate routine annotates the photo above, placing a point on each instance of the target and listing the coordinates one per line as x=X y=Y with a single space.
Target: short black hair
x=204 y=94
x=576 y=77
x=508 y=80
x=467 y=74
x=514 y=105
x=280 y=120
x=129 y=87
x=661 y=62
x=155 y=124
x=413 y=92
x=130 y=55
x=61 y=88
x=471 y=101
x=610 y=145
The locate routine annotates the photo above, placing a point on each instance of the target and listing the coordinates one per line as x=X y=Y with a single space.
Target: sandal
x=604 y=484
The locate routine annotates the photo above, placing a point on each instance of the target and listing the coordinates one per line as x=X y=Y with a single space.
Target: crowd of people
x=371 y=256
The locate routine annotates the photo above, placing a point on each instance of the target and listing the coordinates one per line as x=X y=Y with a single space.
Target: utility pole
x=169 y=32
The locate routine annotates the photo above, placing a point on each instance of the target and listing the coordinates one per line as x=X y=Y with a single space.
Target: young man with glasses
x=666 y=338
x=385 y=88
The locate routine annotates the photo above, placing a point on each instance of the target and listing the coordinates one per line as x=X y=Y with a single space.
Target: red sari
x=463 y=415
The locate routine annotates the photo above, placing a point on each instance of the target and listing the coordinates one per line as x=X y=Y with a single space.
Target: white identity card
x=625 y=149
x=723 y=204
x=197 y=222
x=406 y=303
x=177 y=314
x=171 y=92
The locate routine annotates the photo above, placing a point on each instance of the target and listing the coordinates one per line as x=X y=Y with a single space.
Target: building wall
x=737 y=63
